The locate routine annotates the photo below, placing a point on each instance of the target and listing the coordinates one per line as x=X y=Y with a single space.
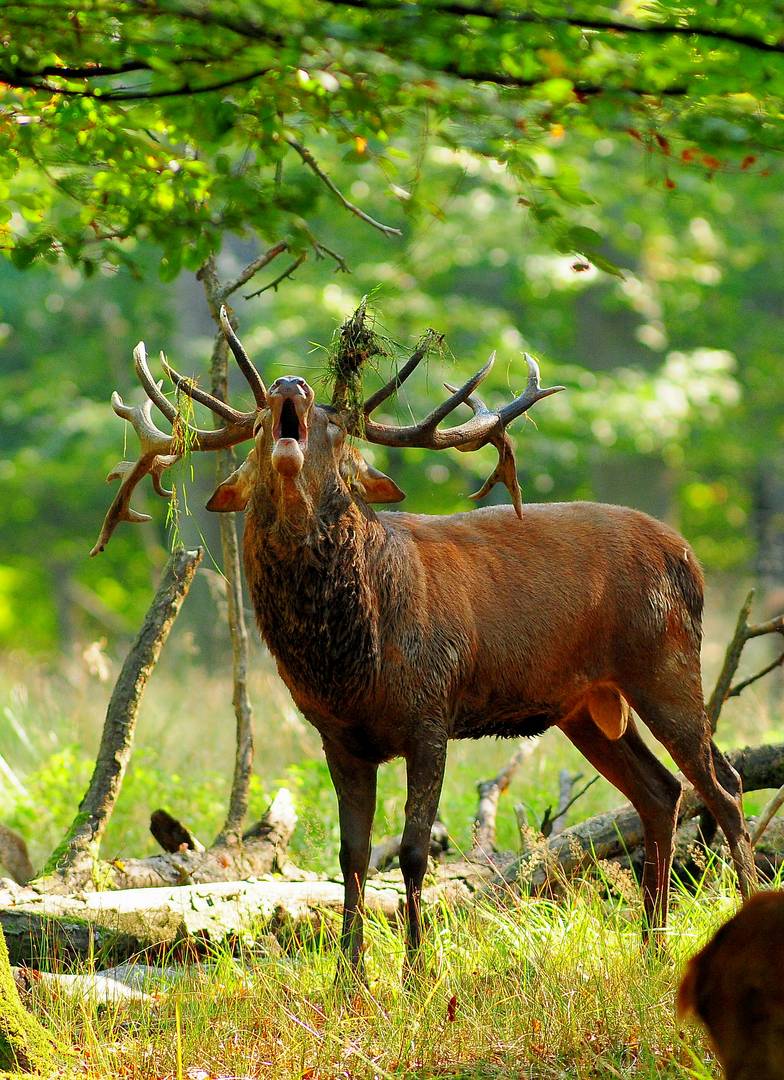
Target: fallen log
x=51 y=930
x=617 y=834
x=261 y=851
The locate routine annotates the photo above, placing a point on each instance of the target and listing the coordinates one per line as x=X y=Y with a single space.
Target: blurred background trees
x=602 y=190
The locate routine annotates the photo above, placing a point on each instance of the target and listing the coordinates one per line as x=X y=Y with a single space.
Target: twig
x=490 y=792
x=253 y=268
x=281 y=277
x=553 y=826
x=744 y=631
x=322 y=250
x=574 y=798
x=310 y=161
x=738 y=688
x=767 y=815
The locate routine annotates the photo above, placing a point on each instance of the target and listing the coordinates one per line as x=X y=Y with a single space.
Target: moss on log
x=25 y=1046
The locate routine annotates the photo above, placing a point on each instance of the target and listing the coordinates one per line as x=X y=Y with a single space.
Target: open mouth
x=289 y=423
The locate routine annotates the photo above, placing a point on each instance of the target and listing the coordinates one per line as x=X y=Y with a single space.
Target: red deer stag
x=734 y=986
x=395 y=632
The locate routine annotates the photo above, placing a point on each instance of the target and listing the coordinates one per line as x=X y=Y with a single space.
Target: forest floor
x=532 y=990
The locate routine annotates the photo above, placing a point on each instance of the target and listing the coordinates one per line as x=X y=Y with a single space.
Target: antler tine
x=151 y=387
x=255 y=380
x=460 y=395
x=189 y=387
x=426 y=433
x=505 y=471
x=533 y=392
x=373 y=402
x=151 y=438
x=160 y=450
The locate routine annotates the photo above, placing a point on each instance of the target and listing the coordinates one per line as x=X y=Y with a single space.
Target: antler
x=486 y=425
x=506 y=470
x=159 y=451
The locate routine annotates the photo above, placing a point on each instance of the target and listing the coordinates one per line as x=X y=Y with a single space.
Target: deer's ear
x=234 y=492
x=376 y=486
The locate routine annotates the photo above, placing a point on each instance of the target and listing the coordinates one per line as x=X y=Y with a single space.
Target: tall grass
x=525 y=988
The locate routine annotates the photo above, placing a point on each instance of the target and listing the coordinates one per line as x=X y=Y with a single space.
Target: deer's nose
x=291 y=386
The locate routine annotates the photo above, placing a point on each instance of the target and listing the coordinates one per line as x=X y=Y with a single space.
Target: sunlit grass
x=537 y=989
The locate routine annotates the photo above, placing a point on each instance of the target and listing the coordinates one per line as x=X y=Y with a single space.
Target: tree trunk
x=216 y=293
x=79 y=850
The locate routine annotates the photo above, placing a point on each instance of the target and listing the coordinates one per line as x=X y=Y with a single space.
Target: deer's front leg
x=425 y=770
x=355 y=786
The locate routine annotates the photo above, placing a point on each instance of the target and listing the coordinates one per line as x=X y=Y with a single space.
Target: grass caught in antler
x=353 y=345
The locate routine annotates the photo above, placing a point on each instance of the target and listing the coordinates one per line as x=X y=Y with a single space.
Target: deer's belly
x=511 y=722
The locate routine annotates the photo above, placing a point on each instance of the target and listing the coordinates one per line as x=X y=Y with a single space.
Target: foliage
x=178 y=123
x=509 y=190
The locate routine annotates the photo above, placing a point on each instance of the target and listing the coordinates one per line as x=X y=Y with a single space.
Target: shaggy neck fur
x=318 y=580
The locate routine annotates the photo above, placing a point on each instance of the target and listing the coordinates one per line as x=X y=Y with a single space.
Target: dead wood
x=552 y=826
x=187 y=921
x=617 y=834
x=385 y=852
x=490 y=791
x=77 y=852
x=744 y=631
x=261 y=852
x=14 y=856
x=171 y=834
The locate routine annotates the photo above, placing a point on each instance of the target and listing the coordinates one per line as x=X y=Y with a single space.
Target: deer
x=733 y=985
x=397 y=632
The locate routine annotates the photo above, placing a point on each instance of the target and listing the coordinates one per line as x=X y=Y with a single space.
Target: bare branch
x=738 y=688
x=287 y=273
x=252 y=269
x=310 y=161
x=490 y=791
x=744 y=631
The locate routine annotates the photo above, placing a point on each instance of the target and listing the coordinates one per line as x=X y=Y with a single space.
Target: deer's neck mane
x=320 y=595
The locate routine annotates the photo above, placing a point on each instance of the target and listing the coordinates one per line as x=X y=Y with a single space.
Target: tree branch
x=287 y=273
x=578 y=22
x=310 y=161
x=252 y=269
x=186 y=90
x=744 y=631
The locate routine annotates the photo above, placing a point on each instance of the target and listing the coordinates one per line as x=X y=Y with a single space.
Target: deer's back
x=536 y=610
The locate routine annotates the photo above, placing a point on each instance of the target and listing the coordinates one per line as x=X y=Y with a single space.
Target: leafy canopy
x=133 y=120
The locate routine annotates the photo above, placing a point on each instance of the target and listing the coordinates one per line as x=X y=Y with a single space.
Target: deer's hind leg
x=677 y=718
x=653 y=791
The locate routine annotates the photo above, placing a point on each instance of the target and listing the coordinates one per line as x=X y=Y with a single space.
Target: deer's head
x=302 y=451
x=301 y=456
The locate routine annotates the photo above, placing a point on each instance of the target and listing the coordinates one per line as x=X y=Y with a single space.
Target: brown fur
x=734 y=986
x=395 y=632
